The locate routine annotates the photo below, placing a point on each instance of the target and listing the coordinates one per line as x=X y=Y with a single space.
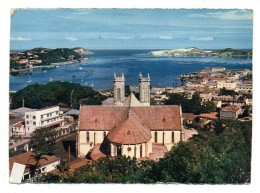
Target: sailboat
x=82 y=79
x=50 y=79
x=62 y=79
x=29 y=79
x=92 y=84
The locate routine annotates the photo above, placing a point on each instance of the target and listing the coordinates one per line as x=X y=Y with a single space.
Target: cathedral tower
x=144 y=90
x=119 y=89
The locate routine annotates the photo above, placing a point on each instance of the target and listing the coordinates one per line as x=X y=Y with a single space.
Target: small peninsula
x=197 y=52
x=44 y=57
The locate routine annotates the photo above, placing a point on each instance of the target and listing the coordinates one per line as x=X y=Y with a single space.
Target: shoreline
x=52 y=65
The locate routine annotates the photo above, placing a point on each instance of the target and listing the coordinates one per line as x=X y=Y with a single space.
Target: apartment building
x=45 y=117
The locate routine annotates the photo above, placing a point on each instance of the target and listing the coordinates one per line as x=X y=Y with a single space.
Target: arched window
x=155 y=137
x=87 y=137
x=104 y=134
x=173 y=137
x=135 y=151
x=141 y=150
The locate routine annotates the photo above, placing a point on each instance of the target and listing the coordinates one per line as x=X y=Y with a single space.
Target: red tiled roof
x=96 y=153
x=231 y=108
x=78 y=163
x=131 y=131
x=188 y=116
x=212 y=115
x=19 y=124
x=109 y=117
x=24 y=159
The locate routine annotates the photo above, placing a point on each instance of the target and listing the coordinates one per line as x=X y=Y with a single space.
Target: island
x=44 y=57
x=197 y=52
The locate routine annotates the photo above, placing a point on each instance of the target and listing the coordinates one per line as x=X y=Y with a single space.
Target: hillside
x=45 y=56
x=197 y=52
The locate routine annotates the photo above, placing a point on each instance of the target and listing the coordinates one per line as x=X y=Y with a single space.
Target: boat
x=50 y=79
x=82 y=79
x=29 y=79
x=57 y=66
x=80 y=68
x=92 y=84
x=45 y=71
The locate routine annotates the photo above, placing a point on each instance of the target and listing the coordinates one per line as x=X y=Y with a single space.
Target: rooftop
x=109 y=117
x=231 y=108
x=24 y=159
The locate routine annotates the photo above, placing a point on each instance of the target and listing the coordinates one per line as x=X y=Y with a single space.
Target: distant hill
x=45 y=56
x=193 y=52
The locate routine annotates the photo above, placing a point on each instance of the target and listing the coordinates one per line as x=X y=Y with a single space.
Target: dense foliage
x=220 y=155
x=55 y=93
x=43 y=140
x=226 y=92
x=233 y=51
x=58 y=55
x=193 y=105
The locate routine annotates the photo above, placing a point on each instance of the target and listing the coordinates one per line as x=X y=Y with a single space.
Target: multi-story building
x=45 y=117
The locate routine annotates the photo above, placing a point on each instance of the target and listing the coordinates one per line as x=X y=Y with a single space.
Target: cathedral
x=128 y=126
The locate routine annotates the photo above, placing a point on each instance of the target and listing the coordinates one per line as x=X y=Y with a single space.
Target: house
x=18 y=129
x=24 y=159
x=128 y=127
x=46 y=117
x=230 y=112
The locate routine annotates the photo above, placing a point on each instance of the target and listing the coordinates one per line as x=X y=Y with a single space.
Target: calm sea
x=162 y=70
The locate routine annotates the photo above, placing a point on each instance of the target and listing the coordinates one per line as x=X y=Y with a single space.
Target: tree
x=54 y=93
x=127 y=90
x=43 y=140
x=37 y=157
x=63 y=168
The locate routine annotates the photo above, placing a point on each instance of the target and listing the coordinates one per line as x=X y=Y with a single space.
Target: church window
x=135 y=151
x=141 y=151
x=155 y=137
x=173 y=137
x=87 y=137
x=129 y=149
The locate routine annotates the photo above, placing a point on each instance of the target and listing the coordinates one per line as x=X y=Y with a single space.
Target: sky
x=132 y=28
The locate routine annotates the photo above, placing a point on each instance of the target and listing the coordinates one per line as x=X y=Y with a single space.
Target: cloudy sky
x=131 y=28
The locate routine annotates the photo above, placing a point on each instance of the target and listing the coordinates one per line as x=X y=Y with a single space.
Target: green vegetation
x=219 y=155
x=54 y=93
x=193 y=105
x=234 y=52
x=58 y=55
x=43 y=140
x=226 y=92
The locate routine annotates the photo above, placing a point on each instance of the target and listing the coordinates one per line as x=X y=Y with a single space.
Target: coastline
x=53 y=65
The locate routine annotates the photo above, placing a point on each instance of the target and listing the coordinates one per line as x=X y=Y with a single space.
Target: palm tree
x=63 y=168
x=37 y=157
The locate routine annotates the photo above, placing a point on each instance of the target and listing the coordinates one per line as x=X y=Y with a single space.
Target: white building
x=45 y=117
